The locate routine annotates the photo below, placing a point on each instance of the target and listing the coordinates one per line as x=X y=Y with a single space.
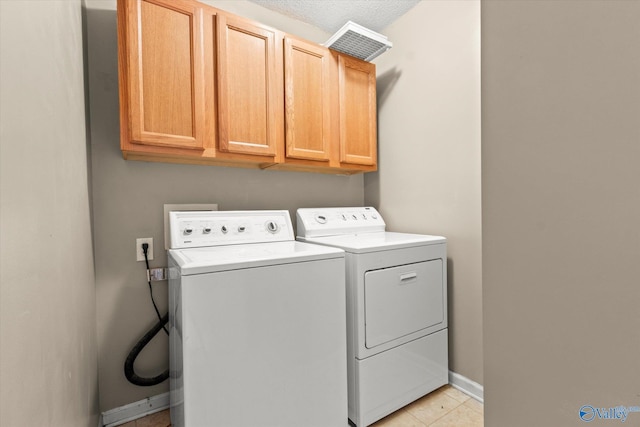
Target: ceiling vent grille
x=359 y=42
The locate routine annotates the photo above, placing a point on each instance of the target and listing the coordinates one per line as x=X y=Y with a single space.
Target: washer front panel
x=273 y=336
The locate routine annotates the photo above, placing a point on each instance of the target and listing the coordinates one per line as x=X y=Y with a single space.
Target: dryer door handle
x=408 y=276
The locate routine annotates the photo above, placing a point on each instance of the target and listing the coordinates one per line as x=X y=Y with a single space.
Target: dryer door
x=402 y=300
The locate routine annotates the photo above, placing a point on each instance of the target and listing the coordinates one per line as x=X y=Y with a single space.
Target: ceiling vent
x=358 y=41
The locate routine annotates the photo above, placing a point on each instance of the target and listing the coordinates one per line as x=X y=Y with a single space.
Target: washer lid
x=372 y=242
x=233 y=257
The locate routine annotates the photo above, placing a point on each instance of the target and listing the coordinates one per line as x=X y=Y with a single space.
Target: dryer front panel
x=402 y=300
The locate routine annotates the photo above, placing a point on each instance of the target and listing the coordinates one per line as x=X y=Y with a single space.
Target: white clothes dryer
x=257 y=323
x=397 y=346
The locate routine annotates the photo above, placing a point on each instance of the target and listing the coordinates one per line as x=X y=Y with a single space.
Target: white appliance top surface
x=233 y=257
x=376 y=241
x=355 y=229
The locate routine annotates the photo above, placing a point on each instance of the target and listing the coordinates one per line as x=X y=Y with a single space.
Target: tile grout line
x=473 y=408
x=451 y=395
x=414 y=417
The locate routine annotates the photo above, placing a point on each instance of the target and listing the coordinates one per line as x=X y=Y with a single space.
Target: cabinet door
x=307 y=102
x=357 y=95
x=249 y=105
x=164 y=72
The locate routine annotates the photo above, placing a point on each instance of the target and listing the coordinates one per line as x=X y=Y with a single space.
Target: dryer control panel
x=320 y=222
x=217 y=228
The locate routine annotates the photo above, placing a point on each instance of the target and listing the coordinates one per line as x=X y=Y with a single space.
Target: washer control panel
x=336 y=221
x=215 y=228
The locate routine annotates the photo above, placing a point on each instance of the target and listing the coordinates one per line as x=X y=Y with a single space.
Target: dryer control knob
x=321 y=219
x=224 y=229
x=187 y=231
x=272 y=227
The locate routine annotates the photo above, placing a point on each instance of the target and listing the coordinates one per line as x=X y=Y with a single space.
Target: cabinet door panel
x=247 y=88
x=307 y=103
x=165 y=73
x=357 y=87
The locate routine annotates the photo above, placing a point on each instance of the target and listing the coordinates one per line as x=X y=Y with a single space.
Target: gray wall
x=561 y=210
x=128 y=199
x=48 y=360
x=429 y=143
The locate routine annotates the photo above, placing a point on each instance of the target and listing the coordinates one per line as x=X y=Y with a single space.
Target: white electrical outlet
x=140 y=253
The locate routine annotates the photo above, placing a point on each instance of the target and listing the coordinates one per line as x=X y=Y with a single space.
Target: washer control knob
x=206 y=230
x=241 y=229
x=224 y=229
x=272 y=227
x=187 y=231
x=321 y=219
x=344 y=217
x=354 y=217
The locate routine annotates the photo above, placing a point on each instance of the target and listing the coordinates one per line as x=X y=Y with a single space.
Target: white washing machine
x=396 y=308
x=257 y=323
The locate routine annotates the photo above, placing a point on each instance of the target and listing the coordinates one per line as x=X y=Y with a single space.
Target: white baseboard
x=467 y=386
x=133 y=411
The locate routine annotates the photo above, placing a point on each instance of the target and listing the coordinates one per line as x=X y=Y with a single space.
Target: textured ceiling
x=331 y=15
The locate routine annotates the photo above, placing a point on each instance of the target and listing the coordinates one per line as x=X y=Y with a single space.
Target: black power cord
x=145 y=249
x=135 y=351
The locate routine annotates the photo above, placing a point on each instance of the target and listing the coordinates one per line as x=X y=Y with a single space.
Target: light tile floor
x=445 y=407
x=159 y=419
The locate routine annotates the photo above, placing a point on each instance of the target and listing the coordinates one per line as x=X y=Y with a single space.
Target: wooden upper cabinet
x=161 y=73
x=249 y=81
x=200 y=85
x=307 y=100
x=357 y=104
